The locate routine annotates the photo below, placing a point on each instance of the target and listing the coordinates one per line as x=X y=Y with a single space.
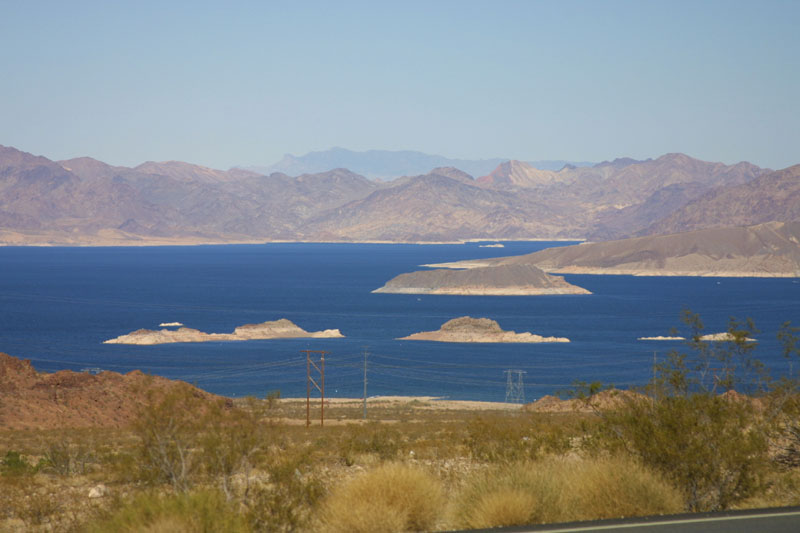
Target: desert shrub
x=13 y=464
x=512 y=494
x=168 y=427
x=391 y=497
x=273 y=398
x=374 y=439
x=711 y=447
x=182 y=432
x=501 y=438
x=229 y=441
x=615 y=487
x=781 y=488
x=66 y=456
x=199 y=511
x=556 y=489
x=284 y=501
x=39 y=508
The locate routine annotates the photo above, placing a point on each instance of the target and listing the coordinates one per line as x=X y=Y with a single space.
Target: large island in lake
x=502 y=280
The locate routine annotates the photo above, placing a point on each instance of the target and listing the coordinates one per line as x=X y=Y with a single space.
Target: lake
x=57 y=306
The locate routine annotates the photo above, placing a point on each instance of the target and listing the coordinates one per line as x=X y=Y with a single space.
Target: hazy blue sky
x=242 y=83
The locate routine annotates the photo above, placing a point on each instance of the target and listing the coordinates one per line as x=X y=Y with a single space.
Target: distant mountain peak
x=621 y=162
x=387 y=165
x=453 y=173
x=517 y=174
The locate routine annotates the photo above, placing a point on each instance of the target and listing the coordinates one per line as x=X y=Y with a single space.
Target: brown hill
x=31 y=399
x=772 y=196
x=765 y=250
x=624 y=196
x=439 y=207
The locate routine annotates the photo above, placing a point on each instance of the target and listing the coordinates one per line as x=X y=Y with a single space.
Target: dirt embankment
x=37 y=400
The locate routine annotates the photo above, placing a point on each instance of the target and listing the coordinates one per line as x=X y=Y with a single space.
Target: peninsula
x=765 y=250
x=503 y=280
x=277 y=329
x=468 y=329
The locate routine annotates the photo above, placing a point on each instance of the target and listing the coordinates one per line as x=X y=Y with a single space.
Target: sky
x=231 y=83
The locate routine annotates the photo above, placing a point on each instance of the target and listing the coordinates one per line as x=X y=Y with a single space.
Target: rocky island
x=468 y=329
x=724 y=336
x=503 y=280
x=277 y=329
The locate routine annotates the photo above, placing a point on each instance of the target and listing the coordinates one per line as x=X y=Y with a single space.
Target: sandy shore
x=415 y=402
x=118 y=238
x=672 y=273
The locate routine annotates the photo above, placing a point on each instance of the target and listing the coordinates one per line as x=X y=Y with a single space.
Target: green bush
x=713 y=447
x=13 y=464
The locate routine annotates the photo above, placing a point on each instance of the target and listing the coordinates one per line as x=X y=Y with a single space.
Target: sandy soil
x=416 y=402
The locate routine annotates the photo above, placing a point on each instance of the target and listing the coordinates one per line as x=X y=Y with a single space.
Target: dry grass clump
x=559 y=489
x=617 y=487
x=199 y=511
x=390 y=498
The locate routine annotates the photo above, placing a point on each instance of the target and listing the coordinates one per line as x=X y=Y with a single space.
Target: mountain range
x=83 y=201
x=388 y=165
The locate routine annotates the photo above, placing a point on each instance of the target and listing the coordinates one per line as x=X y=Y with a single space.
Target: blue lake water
x=57 y=305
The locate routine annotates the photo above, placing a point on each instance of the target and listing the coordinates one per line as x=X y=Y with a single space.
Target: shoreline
x=123 y=243
x=469 y=264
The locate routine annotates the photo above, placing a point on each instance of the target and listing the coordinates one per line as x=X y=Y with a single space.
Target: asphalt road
x=775 y=520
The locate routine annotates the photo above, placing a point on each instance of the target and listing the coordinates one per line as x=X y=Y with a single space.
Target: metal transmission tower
x=515 y=390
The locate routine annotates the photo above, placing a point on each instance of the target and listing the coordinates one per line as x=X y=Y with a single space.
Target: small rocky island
x=468 y=329
x=277 y=329
x=724 y=336
x=503 y=280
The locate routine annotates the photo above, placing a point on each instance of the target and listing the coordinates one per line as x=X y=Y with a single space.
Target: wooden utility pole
x=365 y=382
x=319 y=386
